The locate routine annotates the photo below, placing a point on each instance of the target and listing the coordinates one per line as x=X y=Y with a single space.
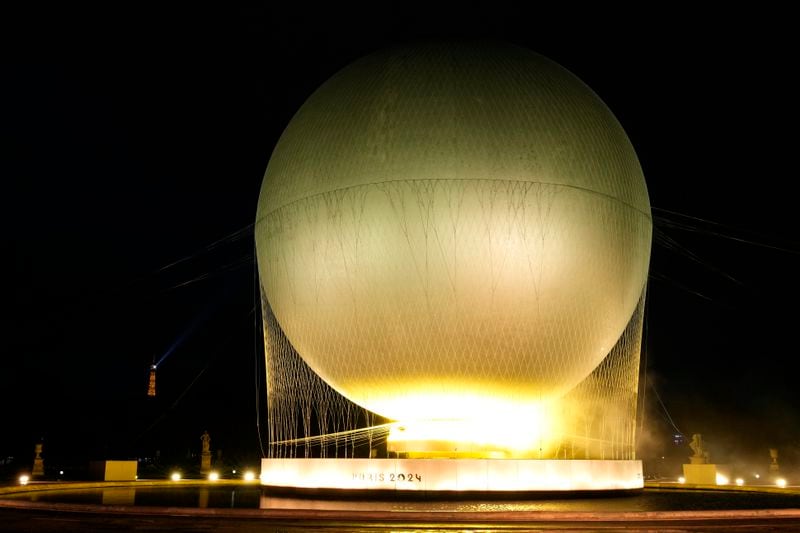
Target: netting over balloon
x=437 y=299
x=307 y=418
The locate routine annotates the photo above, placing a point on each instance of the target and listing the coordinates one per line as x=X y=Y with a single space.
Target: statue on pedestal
x=38 y=462
x=205 y=456
x=774 y=466
x=700 y=470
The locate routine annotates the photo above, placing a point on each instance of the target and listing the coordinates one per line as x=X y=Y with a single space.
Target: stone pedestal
x=113 y=470
x=700 y=474
x=205 y=463
x=38 y=462
x=706 y=474
x=205 y=456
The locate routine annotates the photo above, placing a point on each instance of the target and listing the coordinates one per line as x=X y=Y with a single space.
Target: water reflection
x=202 y=500
x=252 y=497
x=119 y=497
x=649 y=500
x=177 y=496
x=627 y=503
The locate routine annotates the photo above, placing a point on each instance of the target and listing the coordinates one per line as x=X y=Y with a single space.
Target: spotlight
x=175 y=476
x=23 y=479
x=781 y=482
x=722 y=479
x=739 y=481
x=681 y=479
x=249 y=476
x=213 y=476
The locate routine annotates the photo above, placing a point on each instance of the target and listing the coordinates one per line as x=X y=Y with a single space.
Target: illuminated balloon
x=448 y=229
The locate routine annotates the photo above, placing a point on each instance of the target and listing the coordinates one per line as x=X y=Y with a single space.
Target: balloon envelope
x=449 y=230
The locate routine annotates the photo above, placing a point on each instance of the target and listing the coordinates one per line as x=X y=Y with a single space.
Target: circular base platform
x=451 y=476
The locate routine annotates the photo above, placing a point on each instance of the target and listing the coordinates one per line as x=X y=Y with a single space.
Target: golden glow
x=23 y=479
x=249 y=476
x=780 y=482
x=489 y=433
x=739 y=481
x=213 y=476
x=175 y=476
x=722 y=479
x=681 y=479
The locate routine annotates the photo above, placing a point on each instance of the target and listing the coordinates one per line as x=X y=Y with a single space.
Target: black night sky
x=133 y=147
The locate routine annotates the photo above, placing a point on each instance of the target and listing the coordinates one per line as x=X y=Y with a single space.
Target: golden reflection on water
x=628 y=503
x=119 y=496
x=202 y=499
x=254 y=497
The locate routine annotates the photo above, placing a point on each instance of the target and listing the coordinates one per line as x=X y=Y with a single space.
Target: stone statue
x=205 y=438
x=205 y=457
x=774 y=466
x=38 y=462
x=700 y=456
